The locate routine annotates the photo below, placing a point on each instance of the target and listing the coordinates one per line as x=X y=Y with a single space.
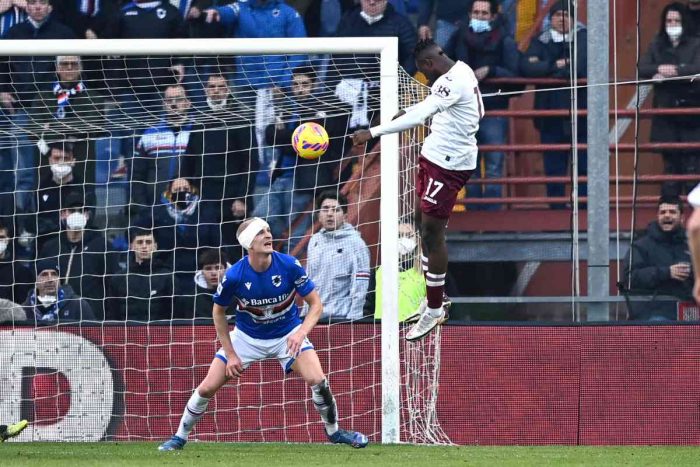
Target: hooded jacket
x=338 y=263
x=70 y=307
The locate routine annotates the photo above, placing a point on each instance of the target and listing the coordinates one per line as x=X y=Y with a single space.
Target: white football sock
x=194 y=410
x=325 y=404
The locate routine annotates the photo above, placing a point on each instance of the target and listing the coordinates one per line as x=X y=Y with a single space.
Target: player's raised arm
x=233 y=364
x=405 y=119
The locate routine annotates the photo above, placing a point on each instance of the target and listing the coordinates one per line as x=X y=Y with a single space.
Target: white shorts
x=251 y=350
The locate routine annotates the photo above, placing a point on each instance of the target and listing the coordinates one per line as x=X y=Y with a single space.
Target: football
x=310 y=140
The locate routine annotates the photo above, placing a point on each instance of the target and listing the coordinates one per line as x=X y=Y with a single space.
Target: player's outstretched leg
x=197 y=405
x=10 y=431
x=308 y=366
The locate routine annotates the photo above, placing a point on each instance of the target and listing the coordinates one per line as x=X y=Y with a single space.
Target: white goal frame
x=387 y=48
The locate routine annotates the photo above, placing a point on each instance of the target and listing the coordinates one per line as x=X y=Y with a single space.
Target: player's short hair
x=670 y=199
x=332 y=194
x=306 y=70
x=138 y=231
x=213 y=256
x=422 y=46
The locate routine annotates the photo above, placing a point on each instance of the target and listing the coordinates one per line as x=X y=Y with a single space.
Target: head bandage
x=251 y=231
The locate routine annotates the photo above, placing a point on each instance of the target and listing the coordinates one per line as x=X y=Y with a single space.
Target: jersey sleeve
x=303 y=285
x=225 y=292
x=446 y=92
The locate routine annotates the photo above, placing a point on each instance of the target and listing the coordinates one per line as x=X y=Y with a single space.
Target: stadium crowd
x=104 y=217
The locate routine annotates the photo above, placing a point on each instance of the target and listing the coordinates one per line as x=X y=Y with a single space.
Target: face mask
x=407 y=246
x=3 y=246
x=559 y=37
x=61 y=170
x=371 y=19
x=181 y=198
x=674 y=32
x=76 y=221
x=479 y=25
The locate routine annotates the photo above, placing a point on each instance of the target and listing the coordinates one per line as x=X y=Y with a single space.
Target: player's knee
x=207 y=391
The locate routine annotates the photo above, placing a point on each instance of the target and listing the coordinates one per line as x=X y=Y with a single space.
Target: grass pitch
x=309 y=455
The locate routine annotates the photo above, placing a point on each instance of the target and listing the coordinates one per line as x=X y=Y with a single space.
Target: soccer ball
x=310 y=140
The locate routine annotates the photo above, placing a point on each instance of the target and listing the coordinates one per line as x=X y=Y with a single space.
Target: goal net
x=123 y=182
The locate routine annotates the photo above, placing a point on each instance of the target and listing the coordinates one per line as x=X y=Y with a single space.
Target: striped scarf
x=63 y=95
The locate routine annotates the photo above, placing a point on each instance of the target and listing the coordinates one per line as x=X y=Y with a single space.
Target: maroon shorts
x=438 y=188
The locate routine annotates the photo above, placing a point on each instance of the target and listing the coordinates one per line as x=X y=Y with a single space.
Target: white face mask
x=47 y=299
x=559 y=37
x=407 y=246
x=76 y=221
x=674 y=32
x=61 y=170
x=3 y=246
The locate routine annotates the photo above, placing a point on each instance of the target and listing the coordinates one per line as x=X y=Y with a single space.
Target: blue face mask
x=479 y=25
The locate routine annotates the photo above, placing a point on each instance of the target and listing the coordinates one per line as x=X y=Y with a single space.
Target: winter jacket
x=222 y=157
x=338 y=263
x=158 y=160
x=651 y=258
x=87 y=264
x=142 y=292
x=252 y=19
x=69 y=307
x=674 y=93
x=495 y=49
x=391 y=25
x=19 y=75
x=196 y=300
x=540 y=62
x=15 y=280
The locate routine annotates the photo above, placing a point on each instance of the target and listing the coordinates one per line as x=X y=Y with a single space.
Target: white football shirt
x=456 y=107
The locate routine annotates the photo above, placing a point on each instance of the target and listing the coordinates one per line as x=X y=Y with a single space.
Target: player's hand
x=213 y=16
x=680 y=271
x=234 y=366
x=361 y=137
x=294 y=342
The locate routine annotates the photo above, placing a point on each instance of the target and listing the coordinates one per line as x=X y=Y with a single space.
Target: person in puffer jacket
x=338 y=260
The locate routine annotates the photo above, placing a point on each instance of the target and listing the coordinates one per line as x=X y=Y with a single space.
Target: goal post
x=387 y=50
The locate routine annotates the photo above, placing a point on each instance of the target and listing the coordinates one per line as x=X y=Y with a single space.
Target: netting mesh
x=124 y=181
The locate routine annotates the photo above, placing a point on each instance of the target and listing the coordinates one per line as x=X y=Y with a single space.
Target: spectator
x=180 y=229
x=19 y=77
x=484 y=45
x=360 y=82
x=52 y=303
x=15 y=279
x=549 y=56
x=672 y=54
x=411 y=278
x=449 y=16
x=55 y=185
x=212 y=267
x=338 y=260
x=659 y=263
x=224 y=160
x=147 y=76
x=295 y=179
x=11 y=13
x=158 y=158
x=82 y=254
x=142 y=289
x=263 y=76
x=190 y=9
x=87 y=19
x=67 y=108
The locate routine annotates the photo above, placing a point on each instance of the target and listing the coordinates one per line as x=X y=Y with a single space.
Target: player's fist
x=234 y=366
x=361 y=137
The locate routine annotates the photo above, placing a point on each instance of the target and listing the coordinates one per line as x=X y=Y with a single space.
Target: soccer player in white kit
x=264 y=285
x=693 y=227
x=447 y=159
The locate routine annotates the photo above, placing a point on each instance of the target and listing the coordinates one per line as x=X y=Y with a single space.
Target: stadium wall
x=500 y=385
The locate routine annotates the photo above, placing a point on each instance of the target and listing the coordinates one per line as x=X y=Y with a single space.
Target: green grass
x=308 y=455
